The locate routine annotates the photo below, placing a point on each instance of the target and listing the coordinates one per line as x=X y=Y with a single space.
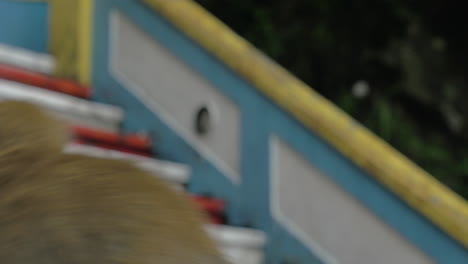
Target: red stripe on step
x=136 y=142
x=113 y=147
x=44 y=81
x=209 y=204
x=212 y=208
x=215 y=220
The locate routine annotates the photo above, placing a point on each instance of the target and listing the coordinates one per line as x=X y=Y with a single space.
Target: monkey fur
x=29 y=137
x=73 y=209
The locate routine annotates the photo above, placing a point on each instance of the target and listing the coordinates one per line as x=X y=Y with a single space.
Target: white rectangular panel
x=331 y=222
x=175 y=93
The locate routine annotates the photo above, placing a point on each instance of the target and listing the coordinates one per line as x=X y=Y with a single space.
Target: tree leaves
x=411 y=53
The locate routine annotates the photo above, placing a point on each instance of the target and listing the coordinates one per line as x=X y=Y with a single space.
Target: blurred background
x=162 y=84
x=398 y=66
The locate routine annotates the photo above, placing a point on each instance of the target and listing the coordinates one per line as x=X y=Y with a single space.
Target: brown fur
x=72 y=209
x=29 y=137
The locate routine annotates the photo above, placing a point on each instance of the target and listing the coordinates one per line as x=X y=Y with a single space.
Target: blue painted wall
x=249 y=203
x=24 y=24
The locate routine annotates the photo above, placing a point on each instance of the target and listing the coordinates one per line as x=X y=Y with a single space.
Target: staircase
x=27 y=76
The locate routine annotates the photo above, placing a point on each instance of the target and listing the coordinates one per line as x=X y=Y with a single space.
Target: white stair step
x=237 y=236
x=242 y=255
x=239 y=245
x=26 y=59
x=84 y=121
x=173 y=172
x=76 y=109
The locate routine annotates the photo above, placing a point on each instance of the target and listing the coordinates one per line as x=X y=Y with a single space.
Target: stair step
x=171 y=171
x=26 y=59
x=131 y=141
x=107 y=146
x=175 y=173
x=237 y=236
x=26 y=77
x=242 y=255
x=239 y=245
x=97 y=115
x=65 y=86
x=80 y=120
x=211 y=205
x=214 y=208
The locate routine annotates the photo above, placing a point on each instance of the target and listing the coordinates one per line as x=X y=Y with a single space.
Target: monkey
x=27 y=132
x=31 y=123
x=74 y=209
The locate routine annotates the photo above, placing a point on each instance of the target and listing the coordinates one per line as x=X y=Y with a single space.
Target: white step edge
x=235 y=255
x=61 y=102
x=238 y=245
x=231 y=236
x=173 y=172
x=77 y=120
x=26 y=59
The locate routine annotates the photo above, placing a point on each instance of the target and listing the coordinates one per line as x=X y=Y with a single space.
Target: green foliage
x=411 y=53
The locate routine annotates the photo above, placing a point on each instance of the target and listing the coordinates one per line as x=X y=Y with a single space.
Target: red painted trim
x=41 y=80
x=215 y=220
x=210 y=205
x=132 y=141
x=113 y=147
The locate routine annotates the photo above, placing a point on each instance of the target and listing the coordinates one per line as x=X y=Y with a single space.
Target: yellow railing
x=71 y=43
x=70 y=37
x=419 y=189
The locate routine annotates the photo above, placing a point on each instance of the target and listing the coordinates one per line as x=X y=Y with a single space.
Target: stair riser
x=109 y=116
x=25 y=59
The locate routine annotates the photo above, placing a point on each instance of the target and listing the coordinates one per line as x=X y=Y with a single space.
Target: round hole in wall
x=203 y=121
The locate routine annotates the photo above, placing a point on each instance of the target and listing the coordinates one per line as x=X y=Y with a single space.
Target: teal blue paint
x=169 y=145
x=24 y=24
x=249 y=202
x=370 y=193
